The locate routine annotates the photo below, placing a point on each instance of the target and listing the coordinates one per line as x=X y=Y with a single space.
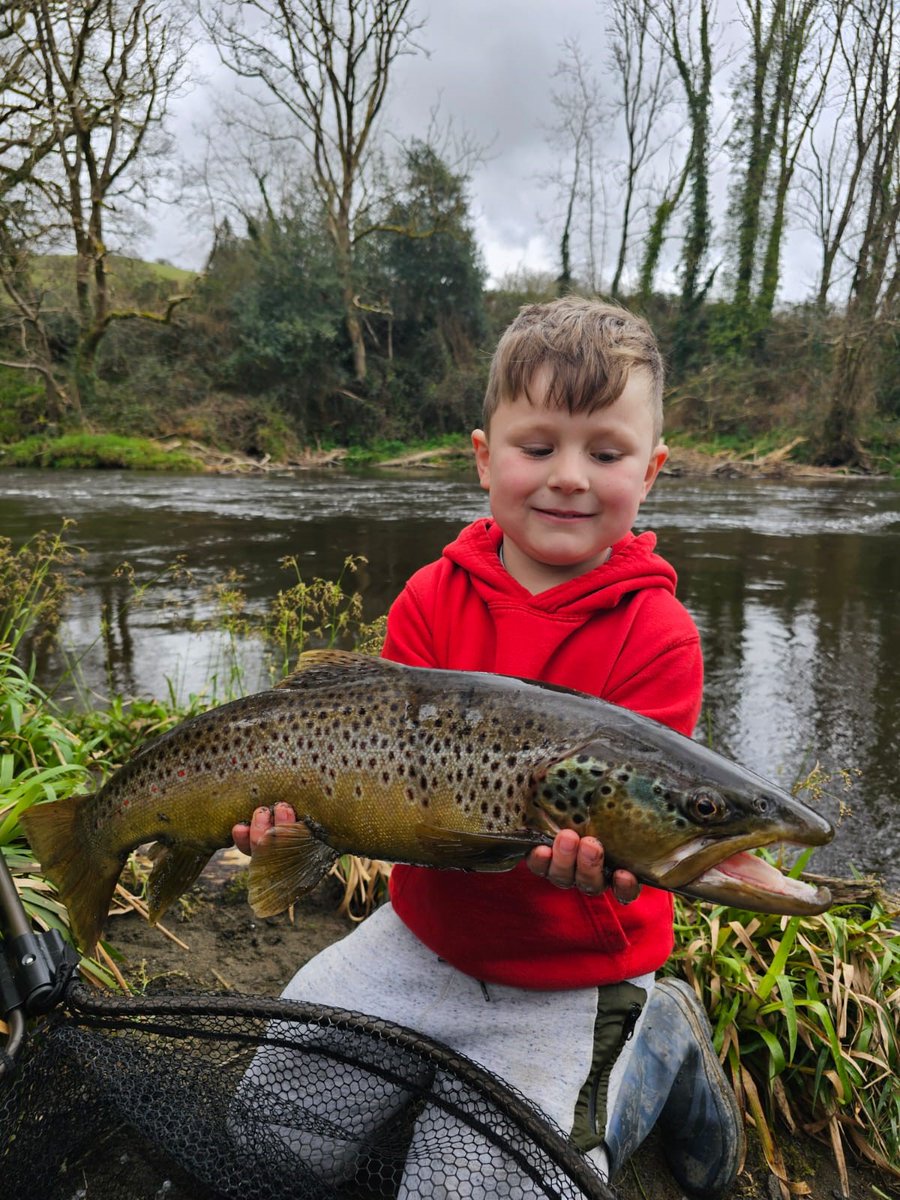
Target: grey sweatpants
x=540 y=1042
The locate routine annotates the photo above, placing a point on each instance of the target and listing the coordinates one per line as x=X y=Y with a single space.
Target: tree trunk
x=851 y=386
x=697 y=83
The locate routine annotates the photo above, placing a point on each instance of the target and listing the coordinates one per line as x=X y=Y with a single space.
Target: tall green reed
x=41 y=758
x=35 y=580
x=309 y=613
x=805 y=1014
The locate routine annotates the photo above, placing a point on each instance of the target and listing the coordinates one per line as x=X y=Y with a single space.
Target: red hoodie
x=616 y=632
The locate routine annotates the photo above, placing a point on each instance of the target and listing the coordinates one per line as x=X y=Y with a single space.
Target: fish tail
x=84 y=879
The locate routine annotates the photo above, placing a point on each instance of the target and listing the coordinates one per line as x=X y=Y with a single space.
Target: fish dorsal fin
x=334 y=662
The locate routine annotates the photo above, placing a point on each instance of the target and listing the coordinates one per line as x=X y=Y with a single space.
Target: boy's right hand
x=247 y=836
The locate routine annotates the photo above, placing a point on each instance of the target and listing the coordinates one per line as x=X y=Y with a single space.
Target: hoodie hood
x=631 y=566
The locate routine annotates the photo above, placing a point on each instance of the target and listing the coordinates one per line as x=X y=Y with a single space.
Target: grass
x=41 y=760
x=96 y=450
x=804 y=1012
x=737 y=445
x=385 y=449
x=106 y=451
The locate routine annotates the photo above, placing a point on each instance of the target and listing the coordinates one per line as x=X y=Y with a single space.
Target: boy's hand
x=247 y=837
x=573 y=861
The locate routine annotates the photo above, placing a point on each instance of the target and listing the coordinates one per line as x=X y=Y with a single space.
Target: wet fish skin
x=439 y=768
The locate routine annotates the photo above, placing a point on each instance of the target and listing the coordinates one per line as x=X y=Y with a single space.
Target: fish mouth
x=726 y=872
x=745 y=880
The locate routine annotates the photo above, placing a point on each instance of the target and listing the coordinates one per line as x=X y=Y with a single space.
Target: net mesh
x=192 y=1096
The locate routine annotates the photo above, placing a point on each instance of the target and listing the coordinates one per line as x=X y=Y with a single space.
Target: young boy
x=555 y=587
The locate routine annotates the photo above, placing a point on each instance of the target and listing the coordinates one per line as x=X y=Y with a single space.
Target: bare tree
x=93 y=79
x=580 y=119
x=871 y=52
x=757 y=104
x=838 y=163
x=662 y=213
x=21 y=99
x=643 y=75
x=24 y=142
x=327 y=63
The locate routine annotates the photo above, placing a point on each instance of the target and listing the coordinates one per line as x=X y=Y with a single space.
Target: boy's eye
x=607 y=456
x=536 y=451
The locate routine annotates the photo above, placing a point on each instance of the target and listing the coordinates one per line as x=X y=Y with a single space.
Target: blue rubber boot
x=674 y=1079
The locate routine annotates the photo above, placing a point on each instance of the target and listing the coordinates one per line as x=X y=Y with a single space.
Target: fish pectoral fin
x=288 y=862
x=478 y=850
x=175 y=868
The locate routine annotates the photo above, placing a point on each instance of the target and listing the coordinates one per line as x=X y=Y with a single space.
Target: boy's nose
x=568 y=473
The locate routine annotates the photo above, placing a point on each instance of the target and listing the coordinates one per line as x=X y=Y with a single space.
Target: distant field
x=126 y=274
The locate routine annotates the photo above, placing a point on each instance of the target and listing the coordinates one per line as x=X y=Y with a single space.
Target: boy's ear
x=482 y=457
x=654 y=466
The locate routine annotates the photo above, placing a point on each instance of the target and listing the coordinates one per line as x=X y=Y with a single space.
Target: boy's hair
x=589 y=347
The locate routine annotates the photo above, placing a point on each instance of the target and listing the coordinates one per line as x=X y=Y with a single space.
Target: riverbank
x=775 y=458
x=685 y=459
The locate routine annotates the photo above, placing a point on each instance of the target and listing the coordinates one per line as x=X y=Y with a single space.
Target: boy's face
x=565 y=487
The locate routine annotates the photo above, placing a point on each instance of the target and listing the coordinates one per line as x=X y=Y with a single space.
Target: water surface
x=794 y=587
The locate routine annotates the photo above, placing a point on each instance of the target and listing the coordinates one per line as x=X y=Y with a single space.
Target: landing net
x=250 y=1098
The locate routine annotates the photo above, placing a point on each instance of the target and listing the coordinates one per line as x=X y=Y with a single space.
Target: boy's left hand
x=574 y=861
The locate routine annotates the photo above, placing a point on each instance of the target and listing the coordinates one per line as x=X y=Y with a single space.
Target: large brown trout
x=439 y=768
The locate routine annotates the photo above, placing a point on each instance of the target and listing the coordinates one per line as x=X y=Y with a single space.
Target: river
x=794 y=587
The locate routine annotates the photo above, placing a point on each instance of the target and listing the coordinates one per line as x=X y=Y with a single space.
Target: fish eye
x=707 y=806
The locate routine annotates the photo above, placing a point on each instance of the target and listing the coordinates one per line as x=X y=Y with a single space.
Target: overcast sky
x=489 y=65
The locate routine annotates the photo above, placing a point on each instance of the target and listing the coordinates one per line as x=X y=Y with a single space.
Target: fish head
x=683 y=818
